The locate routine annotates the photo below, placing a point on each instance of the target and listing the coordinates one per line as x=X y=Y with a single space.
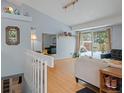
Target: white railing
x=36 y=71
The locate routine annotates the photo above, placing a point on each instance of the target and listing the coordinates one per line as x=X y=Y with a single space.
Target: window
x=95 y=43
x=86 y=44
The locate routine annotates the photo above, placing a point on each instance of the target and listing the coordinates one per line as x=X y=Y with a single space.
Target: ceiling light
x=73 y=2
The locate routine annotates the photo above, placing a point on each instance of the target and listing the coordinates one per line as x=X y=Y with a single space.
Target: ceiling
x=83 y=11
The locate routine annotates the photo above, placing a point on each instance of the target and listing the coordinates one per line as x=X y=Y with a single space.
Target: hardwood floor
x=61 y=78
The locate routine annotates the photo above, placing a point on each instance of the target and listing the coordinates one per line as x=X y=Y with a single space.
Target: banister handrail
x=42 y=57
x=36 y=71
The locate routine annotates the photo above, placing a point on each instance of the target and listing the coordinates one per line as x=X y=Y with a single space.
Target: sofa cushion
x=116 y=54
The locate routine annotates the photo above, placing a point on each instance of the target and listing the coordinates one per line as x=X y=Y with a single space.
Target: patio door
x=95 y=43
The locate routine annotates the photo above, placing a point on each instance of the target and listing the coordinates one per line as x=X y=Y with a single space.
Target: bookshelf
x=113 y=72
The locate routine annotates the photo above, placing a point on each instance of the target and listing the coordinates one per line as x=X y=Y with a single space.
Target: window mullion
x=92 y=44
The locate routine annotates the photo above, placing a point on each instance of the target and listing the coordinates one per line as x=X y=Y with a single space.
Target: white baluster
x=33 y=73
x=38 y=76
x=39 y=71
x=41 y=76
x=35 y=85
x=45 y=77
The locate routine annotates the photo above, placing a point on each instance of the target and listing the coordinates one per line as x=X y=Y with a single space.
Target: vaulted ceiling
x=83 y=11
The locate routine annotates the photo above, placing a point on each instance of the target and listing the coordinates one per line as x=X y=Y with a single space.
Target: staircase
x=35 y=71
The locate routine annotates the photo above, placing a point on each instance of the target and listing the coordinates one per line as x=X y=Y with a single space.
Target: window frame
x=92 y=37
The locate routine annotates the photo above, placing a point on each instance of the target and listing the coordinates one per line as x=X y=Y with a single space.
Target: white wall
x=45 y=24
x=12 y=56
x=117 y=36
x=65 y=47
x=98 y=23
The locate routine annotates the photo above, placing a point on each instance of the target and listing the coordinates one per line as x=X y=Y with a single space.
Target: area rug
x=85 y=90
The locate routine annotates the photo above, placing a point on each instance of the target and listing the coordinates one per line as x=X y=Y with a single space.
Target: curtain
x=77 y=49
x=110 y=40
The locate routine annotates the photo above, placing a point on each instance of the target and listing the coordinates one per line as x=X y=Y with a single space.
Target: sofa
x=115 y=54
x=87 y=69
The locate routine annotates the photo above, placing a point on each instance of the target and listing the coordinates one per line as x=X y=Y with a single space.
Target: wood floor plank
x=61 y=78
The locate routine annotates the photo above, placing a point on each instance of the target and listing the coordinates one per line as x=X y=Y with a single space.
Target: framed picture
x=12 y=35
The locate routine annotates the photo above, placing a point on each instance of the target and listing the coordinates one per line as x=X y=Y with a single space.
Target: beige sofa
x=87 y=69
